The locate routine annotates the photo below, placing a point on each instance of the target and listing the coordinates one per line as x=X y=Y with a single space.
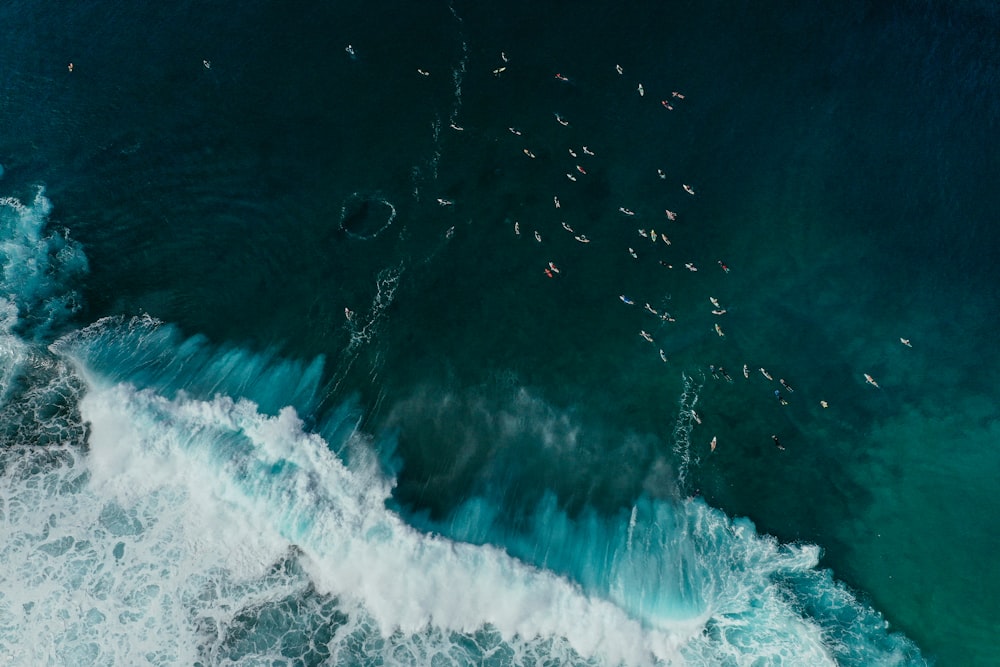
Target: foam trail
x=686 y=418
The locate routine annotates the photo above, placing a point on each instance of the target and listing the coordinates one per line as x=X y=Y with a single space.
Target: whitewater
x=165 y=500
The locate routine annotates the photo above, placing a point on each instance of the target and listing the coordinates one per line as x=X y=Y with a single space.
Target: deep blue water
x=206 y=460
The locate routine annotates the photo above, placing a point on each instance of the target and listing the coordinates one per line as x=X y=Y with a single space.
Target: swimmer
x=824 y=404
x=646 y=336
x=777 y=443
x=571 y=177
x=652 y=235
x=651 y=309
x=671 y=215
x=643 y=234
x=423 y=72
x=555 y=200
x=514 y=131
x=618 y=68
x=905 y=341
x=786 y=385
x=626 y=300
x=580 y=169
x=661 y=174
x=870 y=380
x=538 y=237
x=781 y=399
x=691 y=267
x=588 y=151
x=724 y=267
x=677 y=95
x=642 y=91
x=572 y=152
x=713 y=443
x=663 y=355
x=632 y=252
x=766 y=374
x=529 y=153
x=445 y=202
x=561 y=77
x=456 y=127
x=582 y=238
x=715 y=302
x=687 y=188
x=720 y=311
x=562 y=121
x=626 y=211
x=554 y=268
x=567 y=228
x=746 y=372
x=517 y=227
x=723 y=373
x=718 y=330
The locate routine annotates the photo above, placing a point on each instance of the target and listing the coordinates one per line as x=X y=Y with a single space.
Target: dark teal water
x=844 y=161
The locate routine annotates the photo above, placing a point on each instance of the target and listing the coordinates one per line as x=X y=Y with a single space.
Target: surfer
x=514 y=131
x=766 y=374
x=350 y=50
x=777 y=443
x=554 y=268
x=562 y=121
x=626 y=211
x=588 y=151
x=694 y=416
x=581 y=170
x=687 y=188
x=626 y=300
x=781 y=399
x=723 y=373
x=905 y=341
x=632 y=252
x=718 y=330
x=538 y=237
x=870 y=380
x=555 y=200
x=499 y=70
x=445 y=202
x=572 y=152
x=423 y=72
x=671 y=215
x=724 y=267
x=503 y=56
x=70 y=66
x=457 y=127
x=582 y=238
x=663 y=355
x=561 y=77
x=349 y=314
x=691 y=267
x=571 y=177
x=642 y=91
x=677 y=95
x=785 y=385
x=517 y=227
x=652 y=310
x=713 y=443
x=643 y=234
x=824 y=404
x=529 y=153
x=661 y=174
x=666 y=105
x=567 y=228
x=646 y=335
x=715 y=302
x=721 y=311
x=746 y=372
x=619 y=69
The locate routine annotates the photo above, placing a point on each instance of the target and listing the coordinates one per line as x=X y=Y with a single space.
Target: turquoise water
x=483 y=464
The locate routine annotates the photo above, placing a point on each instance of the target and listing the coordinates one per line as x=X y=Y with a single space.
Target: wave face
x=170 y=501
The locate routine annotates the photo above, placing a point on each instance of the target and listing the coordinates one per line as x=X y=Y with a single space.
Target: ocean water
x=267 y=401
